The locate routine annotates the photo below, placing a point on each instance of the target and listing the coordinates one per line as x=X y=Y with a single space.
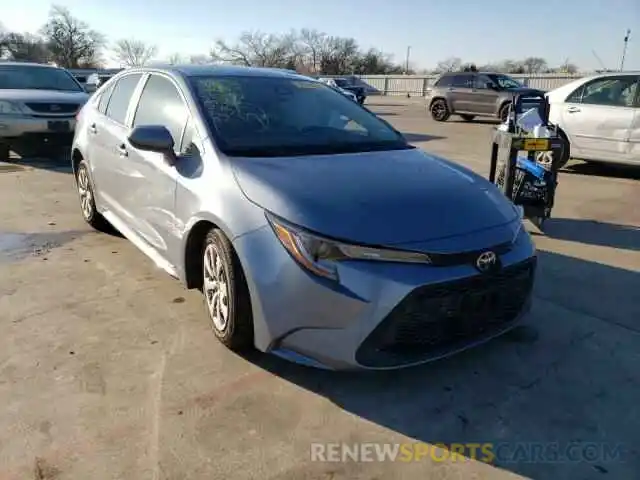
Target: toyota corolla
x=312 y=228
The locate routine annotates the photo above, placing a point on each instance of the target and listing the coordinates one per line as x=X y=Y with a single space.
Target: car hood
x=34 y=95
x=376 y=198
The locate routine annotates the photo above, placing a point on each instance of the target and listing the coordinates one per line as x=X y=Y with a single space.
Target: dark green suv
x=471 y=94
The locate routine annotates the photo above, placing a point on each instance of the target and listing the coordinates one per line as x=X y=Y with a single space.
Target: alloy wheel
x=86 y=196
x=216 y=287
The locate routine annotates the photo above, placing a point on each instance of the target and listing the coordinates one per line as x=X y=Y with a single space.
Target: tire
x=503 y=114
x=87 y=199
x=439 y=110
x=566 y=153
x=467 y=118
x=4 y=152
x=361 y=100
x=235 y=331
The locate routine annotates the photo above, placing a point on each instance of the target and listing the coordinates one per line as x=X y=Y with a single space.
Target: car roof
x=27 y=64
x=218 y=70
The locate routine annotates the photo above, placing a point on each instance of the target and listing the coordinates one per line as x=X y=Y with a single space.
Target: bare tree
x=312 y=43
x=175 y=59
x=534 y=65
x=199 y=59
x=71 y=42
x=24 y=47
x=451 y=64
x=133 y=53
x=255 y=49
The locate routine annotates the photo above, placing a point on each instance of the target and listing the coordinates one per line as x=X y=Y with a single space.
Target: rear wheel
x=467 y=118
x=87 y=199
x=225 y=291
x=439 y=110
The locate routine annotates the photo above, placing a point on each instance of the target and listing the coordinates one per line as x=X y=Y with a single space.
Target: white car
x=600 y=116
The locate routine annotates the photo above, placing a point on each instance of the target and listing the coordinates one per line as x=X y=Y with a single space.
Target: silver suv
x=38 y=104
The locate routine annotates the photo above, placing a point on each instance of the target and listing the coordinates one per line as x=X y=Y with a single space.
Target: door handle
x=122 y=150
x=573 y=110
x=93 y=129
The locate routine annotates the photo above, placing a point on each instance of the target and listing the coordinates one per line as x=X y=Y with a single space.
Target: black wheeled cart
x=524 y=166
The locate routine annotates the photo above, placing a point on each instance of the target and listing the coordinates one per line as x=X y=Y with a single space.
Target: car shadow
x=593 y=232
x=479 y=121
x=421 y=137
x=603 y=170
x=56 y=163
x=526 y=386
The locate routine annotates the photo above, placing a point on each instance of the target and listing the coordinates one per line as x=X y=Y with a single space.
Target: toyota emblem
x=486 y=261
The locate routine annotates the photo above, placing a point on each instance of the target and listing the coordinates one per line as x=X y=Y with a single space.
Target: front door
x=598 y=118
x=484 y=100
x=152 y=187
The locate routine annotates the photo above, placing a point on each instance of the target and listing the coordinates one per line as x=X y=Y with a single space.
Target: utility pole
x=406 y=68
x=624 y=49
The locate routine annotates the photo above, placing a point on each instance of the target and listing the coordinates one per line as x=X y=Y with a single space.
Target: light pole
x=624 y=49
x=406 y=68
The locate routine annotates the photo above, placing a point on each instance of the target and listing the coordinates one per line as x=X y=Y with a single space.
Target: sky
x=476 y=31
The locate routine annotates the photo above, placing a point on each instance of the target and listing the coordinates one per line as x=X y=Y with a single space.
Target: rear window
x=445 y=81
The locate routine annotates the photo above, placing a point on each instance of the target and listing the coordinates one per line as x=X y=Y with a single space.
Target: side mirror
x=153 y=138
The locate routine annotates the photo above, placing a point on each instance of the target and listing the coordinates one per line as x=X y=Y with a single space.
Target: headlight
x=10 y=108
x=320 y=255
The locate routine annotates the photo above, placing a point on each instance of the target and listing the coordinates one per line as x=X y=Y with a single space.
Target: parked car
x=332 y=83
x=38 y=104
x=600 y=116
x=472 y=94
x=345 y=85
x=98 y=78
x=313 y=229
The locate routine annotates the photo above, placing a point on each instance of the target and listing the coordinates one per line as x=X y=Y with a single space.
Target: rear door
x=460 y=92
x=598 y=118
x=152 y=181
x=108 y=151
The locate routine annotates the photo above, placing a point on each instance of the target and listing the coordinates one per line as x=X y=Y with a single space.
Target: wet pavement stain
x=16 y=246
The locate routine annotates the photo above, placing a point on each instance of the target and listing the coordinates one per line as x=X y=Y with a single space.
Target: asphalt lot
x=108 y=369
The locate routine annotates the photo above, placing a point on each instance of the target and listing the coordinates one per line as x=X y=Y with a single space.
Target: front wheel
x=504 y=113
x=439 y=110
x=226 y=294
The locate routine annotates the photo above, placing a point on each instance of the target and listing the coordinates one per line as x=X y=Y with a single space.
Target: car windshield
x=505 y=82
x=341 y=82
x=37 y=78
x=284 y=116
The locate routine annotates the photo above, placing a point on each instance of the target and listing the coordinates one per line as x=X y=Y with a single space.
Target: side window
x=480 y=81
x=444 y=81
x=576 y=96
x=161 y=104
x=610 y=91
x=461 y=81
x=104 y=99
x=120 y=97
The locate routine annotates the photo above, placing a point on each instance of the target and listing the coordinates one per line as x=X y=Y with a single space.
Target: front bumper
x=380 y=315
x=27 y=128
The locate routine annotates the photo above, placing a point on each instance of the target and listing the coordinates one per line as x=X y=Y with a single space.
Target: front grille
x=436 y=319
x=53 y=108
